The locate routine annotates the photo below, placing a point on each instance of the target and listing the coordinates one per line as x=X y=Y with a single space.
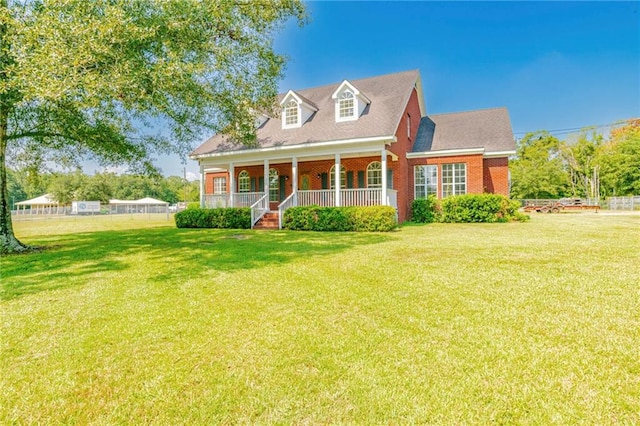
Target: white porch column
x=336 y=177
x=294 y=176
x=201 y=186
x=266 y=177
x=383 y=161
x=232 y=183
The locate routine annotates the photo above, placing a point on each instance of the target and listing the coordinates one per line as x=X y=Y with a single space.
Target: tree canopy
x=590 y=165
x=119 y=81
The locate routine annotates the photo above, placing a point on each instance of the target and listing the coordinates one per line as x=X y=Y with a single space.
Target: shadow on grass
x=72 y=259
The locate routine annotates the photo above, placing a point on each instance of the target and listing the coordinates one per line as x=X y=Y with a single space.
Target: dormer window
x=350 y=102
x=346 y=105
x=291 y=114
x=296 y=110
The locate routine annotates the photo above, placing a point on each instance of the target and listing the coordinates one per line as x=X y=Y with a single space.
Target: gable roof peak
x=352 y=88
x=299 y=99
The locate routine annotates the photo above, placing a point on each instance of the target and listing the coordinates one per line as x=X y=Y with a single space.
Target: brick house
x=360 y=142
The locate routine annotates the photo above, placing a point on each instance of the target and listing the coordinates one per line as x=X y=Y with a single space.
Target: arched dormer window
x=291 y=113
x=244 y=181
x=350 y=103
x=374 y=175
x=346 y=107
x=332 y=177
x=296 y=110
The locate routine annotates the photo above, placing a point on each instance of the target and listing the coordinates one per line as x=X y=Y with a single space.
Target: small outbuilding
x=44 y=204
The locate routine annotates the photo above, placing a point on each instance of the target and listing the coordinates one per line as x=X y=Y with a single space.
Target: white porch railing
x=217 y=201
x=240 y=199
x=348 y=197
x=290 y=201
x=259 y=208
x=322 y=197
x=246 y=199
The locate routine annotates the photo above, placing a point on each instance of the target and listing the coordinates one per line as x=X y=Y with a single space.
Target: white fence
x=624 y=203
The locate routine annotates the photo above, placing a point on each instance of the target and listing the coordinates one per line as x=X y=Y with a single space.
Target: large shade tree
x=538 y=170
x=94 y=78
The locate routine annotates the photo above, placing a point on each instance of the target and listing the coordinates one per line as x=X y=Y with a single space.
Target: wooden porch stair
x=268 y=222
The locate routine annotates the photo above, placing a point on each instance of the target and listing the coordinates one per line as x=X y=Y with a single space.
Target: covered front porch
x=344 y=179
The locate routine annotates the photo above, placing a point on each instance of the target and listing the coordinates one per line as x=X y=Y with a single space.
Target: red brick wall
x=475 y=171
x=496 y=175
x=404 y=144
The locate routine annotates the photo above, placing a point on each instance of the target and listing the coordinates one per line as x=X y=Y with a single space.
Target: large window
x=332 y=177
x=374 y=175
x=346 y=104
x=425 y=181
x=291 y=113
x=274 y=186
x=220 y=185
x=454 y=179
x=244 y=181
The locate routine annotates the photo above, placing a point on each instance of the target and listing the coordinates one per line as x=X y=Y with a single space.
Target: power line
x=575 y=129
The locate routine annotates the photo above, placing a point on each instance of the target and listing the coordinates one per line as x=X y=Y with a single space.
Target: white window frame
x=454 y=179
x=374 y=174
x=274 y=186
x=346 y=103
x=425 y=181
x=332 y=177
x=244 y=181
x=291 y=110
x=220 y=185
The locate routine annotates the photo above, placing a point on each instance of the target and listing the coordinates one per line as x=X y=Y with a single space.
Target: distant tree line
x=591 y=166
x=77 y=186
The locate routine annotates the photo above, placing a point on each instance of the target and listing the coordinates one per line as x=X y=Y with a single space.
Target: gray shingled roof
x=488 y=128
x=389 y=95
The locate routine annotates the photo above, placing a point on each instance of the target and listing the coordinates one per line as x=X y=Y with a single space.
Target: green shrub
x=229 y=218
x=373 y=218
x=193 y=205
x=426 y=210
x=474 y=208
x=360 y=219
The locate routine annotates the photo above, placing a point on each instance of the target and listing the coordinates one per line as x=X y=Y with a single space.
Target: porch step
x=268 y=221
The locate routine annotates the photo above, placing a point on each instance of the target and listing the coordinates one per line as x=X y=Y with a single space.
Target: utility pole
x=185 y=185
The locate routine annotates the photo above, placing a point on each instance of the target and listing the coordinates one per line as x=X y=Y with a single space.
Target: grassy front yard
x=135 y=322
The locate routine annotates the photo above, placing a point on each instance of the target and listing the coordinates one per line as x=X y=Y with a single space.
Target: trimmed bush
x=474 y=208
x=229 y=218
x=359 y=219
x=426 y=210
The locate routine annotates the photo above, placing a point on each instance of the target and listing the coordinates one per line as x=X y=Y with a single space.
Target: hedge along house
x=357 y=143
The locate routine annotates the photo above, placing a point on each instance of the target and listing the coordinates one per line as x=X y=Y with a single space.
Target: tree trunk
x=8 y=241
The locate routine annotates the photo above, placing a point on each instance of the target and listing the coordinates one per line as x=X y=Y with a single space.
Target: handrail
x=290 y=201
x=259 y=208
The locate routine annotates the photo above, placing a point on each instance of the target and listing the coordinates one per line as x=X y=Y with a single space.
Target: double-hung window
x=425 y=181
x=220 y=185
x=346 y=105
x=291 y=114
x=332 y=177
x=244 y=182
x=274 y=186
x=374 y=175
x=454 y=179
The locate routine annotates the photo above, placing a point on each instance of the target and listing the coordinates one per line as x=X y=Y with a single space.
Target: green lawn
x=125 y=321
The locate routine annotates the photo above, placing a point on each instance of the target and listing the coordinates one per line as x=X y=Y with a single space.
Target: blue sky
x=554 y=65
